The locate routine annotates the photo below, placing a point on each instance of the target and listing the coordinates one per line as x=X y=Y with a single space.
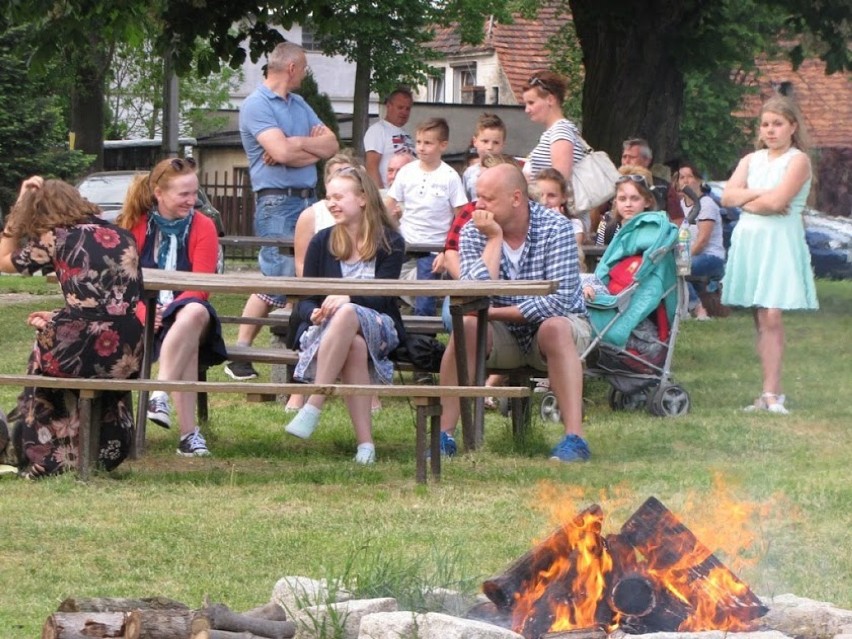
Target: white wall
x=333 y=74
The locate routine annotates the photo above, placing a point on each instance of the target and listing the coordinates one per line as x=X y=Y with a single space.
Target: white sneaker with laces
x=158 y=410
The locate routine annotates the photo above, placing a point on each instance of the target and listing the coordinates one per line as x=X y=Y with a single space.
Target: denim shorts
x=275 y=216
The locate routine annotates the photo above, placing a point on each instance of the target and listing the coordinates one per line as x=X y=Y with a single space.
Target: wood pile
x=161 y=618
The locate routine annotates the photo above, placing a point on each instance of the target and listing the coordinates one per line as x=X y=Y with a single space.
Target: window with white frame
x=464 y=75
x=436 y=89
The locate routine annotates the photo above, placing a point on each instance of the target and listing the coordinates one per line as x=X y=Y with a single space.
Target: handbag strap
x=586 y=146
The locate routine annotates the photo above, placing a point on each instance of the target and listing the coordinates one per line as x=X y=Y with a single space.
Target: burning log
x=504 y=589
x=691 y=589
x=82 y=625
x=221 y=617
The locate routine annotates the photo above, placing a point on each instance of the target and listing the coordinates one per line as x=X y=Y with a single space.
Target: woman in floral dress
x=97 y=334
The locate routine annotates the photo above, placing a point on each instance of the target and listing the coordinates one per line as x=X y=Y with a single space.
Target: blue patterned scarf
x=173 y=238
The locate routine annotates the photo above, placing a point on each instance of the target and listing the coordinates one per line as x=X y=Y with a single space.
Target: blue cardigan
x=319 y=262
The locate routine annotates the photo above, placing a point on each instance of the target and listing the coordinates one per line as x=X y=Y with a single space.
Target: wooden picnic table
x=466 y=296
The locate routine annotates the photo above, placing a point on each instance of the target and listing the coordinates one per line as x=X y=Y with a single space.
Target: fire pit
x=653 y=576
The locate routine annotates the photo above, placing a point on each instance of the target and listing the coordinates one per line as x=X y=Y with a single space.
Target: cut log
x=504 y=588
x=223 y=618
x=100 y=625
x=116 y=604
x=271 y=611
x=225 y=634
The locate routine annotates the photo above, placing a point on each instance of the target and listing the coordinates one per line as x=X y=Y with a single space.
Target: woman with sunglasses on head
x=342 y=336
x=633 y=195
x=159 y=210
x=559 y=147
x=96 y=334
x=769 y=265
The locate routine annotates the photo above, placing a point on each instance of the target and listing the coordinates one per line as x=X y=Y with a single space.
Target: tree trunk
x=87 y=100
x=361 y=99
x=633 y=85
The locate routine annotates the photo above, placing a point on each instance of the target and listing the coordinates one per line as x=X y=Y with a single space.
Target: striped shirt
x=550 y=253
x=560 y=130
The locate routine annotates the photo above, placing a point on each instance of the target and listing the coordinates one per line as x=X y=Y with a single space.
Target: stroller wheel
x=550 y=408
x=626 y=401
x=669 y=401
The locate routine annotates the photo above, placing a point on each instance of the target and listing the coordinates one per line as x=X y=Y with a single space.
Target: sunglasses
x=178 y=165
x=535 y=81
x=638 y=179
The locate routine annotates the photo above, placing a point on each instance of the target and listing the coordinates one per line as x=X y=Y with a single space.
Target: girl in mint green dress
x=769 y=266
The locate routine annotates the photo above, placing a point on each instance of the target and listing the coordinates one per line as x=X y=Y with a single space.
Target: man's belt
x=289 y=192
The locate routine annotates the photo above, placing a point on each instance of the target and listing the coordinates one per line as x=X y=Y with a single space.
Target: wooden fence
x=231 y=195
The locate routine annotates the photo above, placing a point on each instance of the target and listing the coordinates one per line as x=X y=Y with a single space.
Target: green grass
x=266 y=506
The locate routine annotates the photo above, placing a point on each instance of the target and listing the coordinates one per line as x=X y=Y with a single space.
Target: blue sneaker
x=572 y=448
x=448 y=445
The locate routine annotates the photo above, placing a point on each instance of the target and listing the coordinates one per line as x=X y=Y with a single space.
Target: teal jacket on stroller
x=652 y=236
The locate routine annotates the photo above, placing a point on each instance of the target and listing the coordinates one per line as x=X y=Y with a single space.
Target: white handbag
x=593 y=179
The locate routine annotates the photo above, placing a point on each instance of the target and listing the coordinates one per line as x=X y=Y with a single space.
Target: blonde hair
x=344 y=157
x=374 y=221
x=140 y=196
x=55 y=204
x=786 y=108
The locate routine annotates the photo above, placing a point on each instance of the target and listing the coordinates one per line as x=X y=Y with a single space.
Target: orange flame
x=571 y=591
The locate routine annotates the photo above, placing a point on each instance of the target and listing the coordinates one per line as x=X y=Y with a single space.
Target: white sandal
x=776 y=405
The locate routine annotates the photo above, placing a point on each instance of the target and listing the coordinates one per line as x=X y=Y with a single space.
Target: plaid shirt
x=550 y=253
x=466 y=212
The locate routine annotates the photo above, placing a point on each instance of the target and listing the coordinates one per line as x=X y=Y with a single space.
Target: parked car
x=108 y=188
x=829 y=238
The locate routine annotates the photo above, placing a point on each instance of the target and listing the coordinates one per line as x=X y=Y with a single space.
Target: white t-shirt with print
x=429 y=200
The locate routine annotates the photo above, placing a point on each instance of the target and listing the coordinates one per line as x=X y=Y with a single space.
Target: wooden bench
x=426 y=399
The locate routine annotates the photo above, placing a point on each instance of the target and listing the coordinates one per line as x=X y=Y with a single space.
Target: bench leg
x=428 y=408
x=89 y=436
x=201 y=401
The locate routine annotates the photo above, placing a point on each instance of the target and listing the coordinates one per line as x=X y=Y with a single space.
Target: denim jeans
x=705 y=266
x=275 y=216
x=425 y=306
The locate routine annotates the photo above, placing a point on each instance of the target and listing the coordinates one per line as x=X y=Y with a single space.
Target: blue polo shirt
x=263 y=110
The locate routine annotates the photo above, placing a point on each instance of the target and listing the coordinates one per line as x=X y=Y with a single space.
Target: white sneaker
x=365 y=456
x=158 y=410
x=304 y=423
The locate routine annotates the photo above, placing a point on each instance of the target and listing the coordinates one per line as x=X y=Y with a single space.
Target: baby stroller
x=635 y=327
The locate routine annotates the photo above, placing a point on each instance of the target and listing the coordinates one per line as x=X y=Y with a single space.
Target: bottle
x=683 y=258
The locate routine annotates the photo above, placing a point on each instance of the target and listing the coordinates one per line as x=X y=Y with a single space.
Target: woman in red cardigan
x=160 y=212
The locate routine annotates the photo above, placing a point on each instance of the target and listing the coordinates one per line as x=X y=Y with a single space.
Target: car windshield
x=105 y=189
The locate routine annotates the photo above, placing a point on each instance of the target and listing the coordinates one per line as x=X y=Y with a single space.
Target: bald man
x=511 y=237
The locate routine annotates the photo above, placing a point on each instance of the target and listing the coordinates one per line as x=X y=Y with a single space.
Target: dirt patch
x=7 y=299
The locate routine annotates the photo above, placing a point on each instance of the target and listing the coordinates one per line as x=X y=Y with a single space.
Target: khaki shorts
x=507 y=353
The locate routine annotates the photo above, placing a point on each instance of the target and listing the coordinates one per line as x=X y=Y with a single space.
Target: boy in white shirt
x=489 y=138
x=430 y=192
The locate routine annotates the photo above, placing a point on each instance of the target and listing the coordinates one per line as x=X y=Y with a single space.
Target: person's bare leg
x=565 y=371
x=356 y=372
x=255 y=307
x=770 y=349
x=334 y=349
x=179 y=359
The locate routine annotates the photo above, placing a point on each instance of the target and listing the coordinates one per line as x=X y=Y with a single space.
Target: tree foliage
x=642 y=67
x=134 y=93
x=32 y=132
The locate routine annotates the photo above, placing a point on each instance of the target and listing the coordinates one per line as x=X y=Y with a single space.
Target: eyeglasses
x=639 y=179
x=178 y=165
x=536 y=81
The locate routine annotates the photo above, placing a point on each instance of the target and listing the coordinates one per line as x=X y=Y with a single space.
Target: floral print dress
x=97 y=334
